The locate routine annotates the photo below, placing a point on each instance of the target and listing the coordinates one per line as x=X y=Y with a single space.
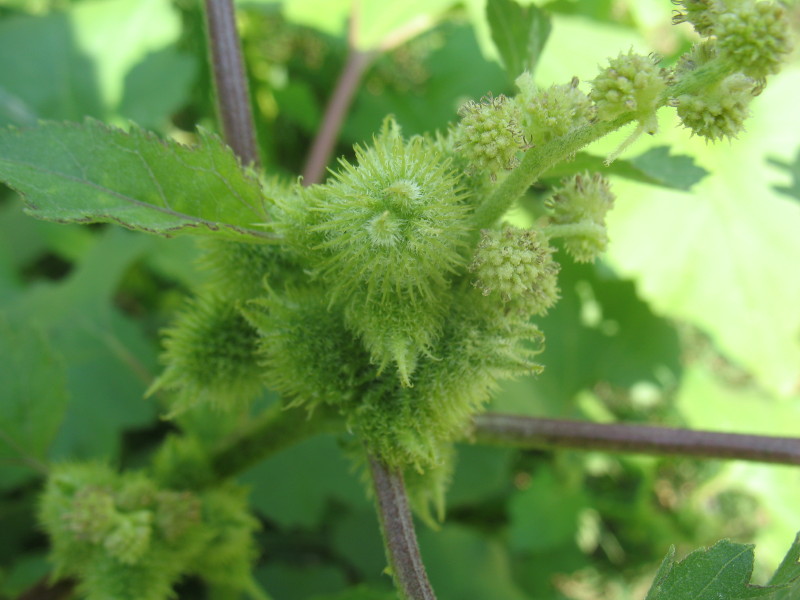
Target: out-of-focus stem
x=530 y=432
x=335 y=112
x=233 y=97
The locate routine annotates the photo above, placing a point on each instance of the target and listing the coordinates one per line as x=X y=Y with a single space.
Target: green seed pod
x=630 y=83
x=412 y=427
x=552 y=112
x=517 y=265
x=719 y=112
x=396 y=330
x=211 y=356
x=699 y=13
x=578 y=214
x=308 y=354
x=489 y=135
x=754 y=36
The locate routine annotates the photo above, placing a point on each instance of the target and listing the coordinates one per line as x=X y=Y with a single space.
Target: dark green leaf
x=293 y=487
x=33 y=394
x=92 y=173
x=655 y=167
x=157 y=87
x=722 y=571
x=519 y=32
x=109 y=363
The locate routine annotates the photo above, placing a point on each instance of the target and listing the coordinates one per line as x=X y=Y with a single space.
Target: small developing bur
x=754 y=36
x=578 y=214
x=552 y=112
x=631 y=83
x=489 y=135
x=720 y=111
x=517 y=265
x=698 y=13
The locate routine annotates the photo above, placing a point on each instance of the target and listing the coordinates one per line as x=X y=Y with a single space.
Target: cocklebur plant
x=391 y=300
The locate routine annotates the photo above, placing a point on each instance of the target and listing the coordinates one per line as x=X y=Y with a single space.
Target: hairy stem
x=530 y=432
x=538 y=161
x=399 y=536
x=276 y=429
x=324 y=142
x=233 y=97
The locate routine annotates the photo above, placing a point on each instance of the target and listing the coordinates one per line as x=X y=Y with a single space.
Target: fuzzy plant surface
x=390 y=301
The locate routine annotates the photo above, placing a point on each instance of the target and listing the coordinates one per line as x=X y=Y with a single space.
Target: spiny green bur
x=211 y=355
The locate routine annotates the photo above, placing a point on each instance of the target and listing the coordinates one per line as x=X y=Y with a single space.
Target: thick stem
x=324 y=142
x=276 y=429
x=530 y=432
x=233 y=97
x=399 y=536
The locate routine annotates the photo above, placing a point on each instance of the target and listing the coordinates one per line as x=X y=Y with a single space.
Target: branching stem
x=530 y=432
x=335 y=112
x=399 y=536
x=233 y=96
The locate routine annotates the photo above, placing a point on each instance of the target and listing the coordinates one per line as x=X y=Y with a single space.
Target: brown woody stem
x=338 y=105
x=399 y=536
x=233 y=97
x=530 y=432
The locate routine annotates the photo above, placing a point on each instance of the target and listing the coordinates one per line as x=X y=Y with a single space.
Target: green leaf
x=788 y=574
x=792 y=190
x=92 y=173
x=725 y=257
x=293 y=487
x=446 y=88
x=156 y=87
x=109 y=362
x=722 y=571
x=544 y=516
x=88 y=60
x=519 y=32
x=33 y=395
x=466 y=565
x=655 y=167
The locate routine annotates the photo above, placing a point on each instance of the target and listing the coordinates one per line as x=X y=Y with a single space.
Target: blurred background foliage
x=691 y=320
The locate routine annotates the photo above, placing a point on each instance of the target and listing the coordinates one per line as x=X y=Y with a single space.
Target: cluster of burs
x=388 y=300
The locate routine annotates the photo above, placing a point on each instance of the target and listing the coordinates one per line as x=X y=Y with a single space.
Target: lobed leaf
x=92 y=173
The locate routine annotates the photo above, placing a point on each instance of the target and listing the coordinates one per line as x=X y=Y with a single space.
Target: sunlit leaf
x=519 y=32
